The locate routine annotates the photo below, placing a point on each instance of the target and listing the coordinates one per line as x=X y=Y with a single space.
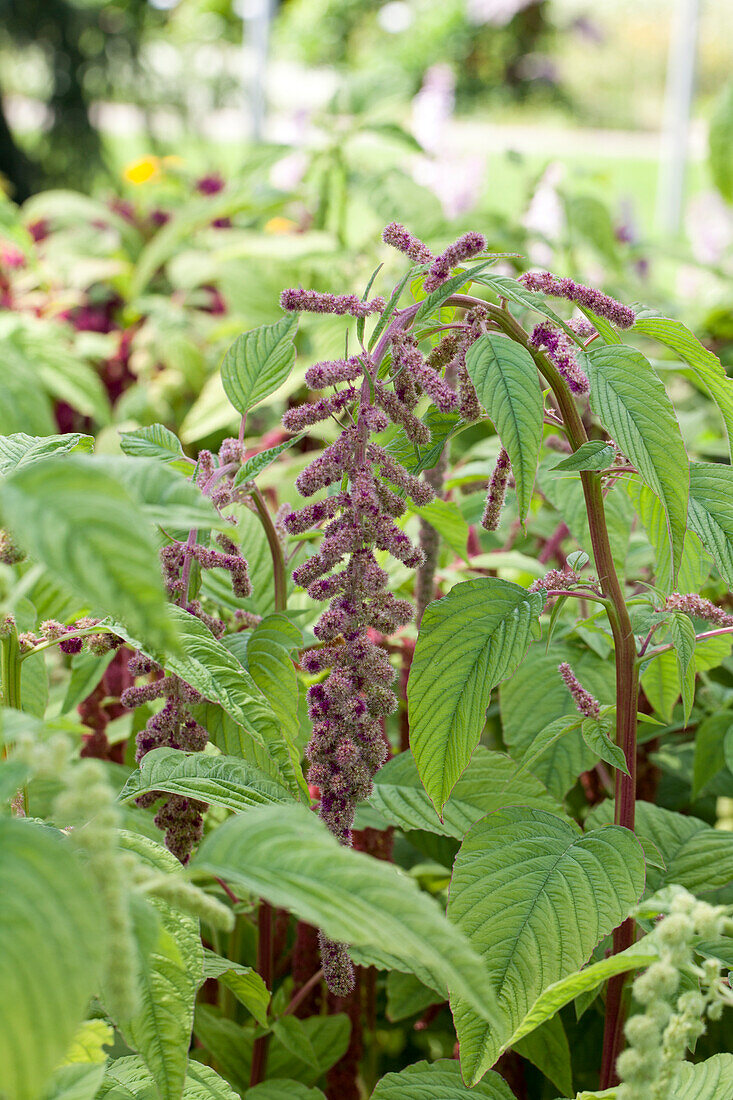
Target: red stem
x=264 y=969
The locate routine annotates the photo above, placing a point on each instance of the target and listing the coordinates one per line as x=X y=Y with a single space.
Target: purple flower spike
x=470 y=244
x=296 y=300
x=404 y=241
x=497 y=492
x=561 y=352
x=584 y=701
x=594 y=300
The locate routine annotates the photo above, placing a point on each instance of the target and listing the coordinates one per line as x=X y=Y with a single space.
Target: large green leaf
x=445 y=516
x=75 y=1082
x=24 y=450
x=695 y=564
x=154 y=441
x=160 y=1029
x=507 y=385
x=633 y=404
x=271 y=667
x=280 y=1089
x=696 y=856
x=130 y=1079
x=166 y=498
x=487 y=784
x=534 y=896
x=711 y=512
x=258 y=362
x=407 y=996
x=50 y=924
x=706 y=366
x=286 y=855
x=84 y=526
x=439 y=1080
x=220 y=780
x=547 y=1048
x=468 y=642
x=708 y=1080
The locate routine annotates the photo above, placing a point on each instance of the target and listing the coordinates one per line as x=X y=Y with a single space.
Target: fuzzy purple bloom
x=584 y=701
x=496 y=492
x=322 y=375
x=561 y=352
x=296 y=300
x=592 y=299
x=400 y=238
x=470 y=244
x=699 y=607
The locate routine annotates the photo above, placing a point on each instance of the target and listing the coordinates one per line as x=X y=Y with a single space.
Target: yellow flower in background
x=143 y=170
x=280 y=225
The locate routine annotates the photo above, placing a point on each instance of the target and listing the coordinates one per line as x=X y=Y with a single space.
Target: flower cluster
x=595 y=300
x=560 y=351
x=404 y=241
x=584 y=701
x=174 y=726
x=9 y=552
x=53 y=631
x=467 y=246
x=698 y=606
x=296 y=300
x=496 y=492
x=660 y=1036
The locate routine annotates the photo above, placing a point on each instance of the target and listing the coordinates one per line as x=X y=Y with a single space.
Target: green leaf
x=160 y=1029
x=205 y=664
x=445 y=516
x=708 y=1080
x=507 y=385
x=468 y=642
x=84 y=526
x=695 y=565
x=293 y=1036
x=407 y=996
x=593 y=455
x=220 y=780
x=711 y=512
x=280 y=1089
x=286 y=855
x=166 y=498
x=439 y=1080
x=244 y=982
x=130 y=1079
x=697 y=856
x=253 y=466
x=272 y=669
x=50 y=925
x=720 y=140
x=154 y=441
x=711 y=742
x=683 y=635
x=258 y=362
x=561 y=993
x=546 y=738
x=534 y=897
x=633 y=404
x=489 y=783
x=660 y=681
x=77 y=1082
x=23 y=450
x=706 y=366
x=595 y=735
x=547 y=1048
x=88 y=1044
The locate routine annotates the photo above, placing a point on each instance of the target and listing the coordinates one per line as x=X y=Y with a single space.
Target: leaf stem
x=276 y=550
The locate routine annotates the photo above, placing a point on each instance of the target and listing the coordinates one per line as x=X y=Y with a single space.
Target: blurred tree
x=81 y=41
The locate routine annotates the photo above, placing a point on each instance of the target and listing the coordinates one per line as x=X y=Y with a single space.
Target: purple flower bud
x=497 y=492
x=404 y=241
x=594 y=300
x=313 y=301
x=561 y=352
x=415 y=430
x=322 y=375
x=583 y=699
x=470 y=244
x=698 y=606
x=298 y=419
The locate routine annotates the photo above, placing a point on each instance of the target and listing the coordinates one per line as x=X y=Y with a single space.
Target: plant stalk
x=627 y=676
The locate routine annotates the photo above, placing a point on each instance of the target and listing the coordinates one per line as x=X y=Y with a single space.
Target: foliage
x=554 y=814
